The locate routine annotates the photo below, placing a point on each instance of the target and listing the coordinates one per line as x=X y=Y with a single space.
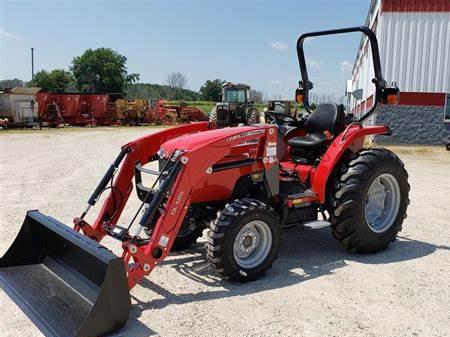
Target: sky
x=249 y=41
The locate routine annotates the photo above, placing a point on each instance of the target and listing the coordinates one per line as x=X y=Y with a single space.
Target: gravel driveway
x=315 y=288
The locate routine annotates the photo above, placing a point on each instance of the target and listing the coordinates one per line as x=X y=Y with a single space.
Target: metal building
x=19 y=106
x=414 y=41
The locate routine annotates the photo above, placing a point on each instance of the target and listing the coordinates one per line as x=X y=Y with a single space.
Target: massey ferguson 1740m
x=244 y=184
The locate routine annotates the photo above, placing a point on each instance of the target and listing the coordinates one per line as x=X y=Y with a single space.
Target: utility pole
x=32 y=64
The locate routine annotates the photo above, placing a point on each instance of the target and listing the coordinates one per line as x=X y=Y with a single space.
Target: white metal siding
x=414 y=50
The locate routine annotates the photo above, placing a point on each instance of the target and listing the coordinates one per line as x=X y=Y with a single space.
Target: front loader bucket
x=68 y=284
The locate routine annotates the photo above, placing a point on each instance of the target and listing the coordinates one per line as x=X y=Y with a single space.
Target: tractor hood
x=193 y=141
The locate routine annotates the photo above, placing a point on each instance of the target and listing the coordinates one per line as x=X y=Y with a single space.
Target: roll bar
x=381 y=90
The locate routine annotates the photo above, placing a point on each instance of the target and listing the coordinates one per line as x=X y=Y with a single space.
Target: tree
x=147 y=90
x=57 y=80
x=176 y=81
x=210 y=90
x=257 y=96
x=102 y=70
x=10 y=83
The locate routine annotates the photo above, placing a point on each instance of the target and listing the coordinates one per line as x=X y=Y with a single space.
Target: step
x=316 y=224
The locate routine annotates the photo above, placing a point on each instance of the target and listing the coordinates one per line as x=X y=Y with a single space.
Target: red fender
x=353 y=139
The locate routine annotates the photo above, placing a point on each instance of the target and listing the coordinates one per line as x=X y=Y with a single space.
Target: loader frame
x=189 y=168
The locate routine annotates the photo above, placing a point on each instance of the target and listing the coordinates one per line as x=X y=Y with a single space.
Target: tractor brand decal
x=246 y=134
x=271 y=149
x=248 y=142
x=177 y=202
x=163 y=241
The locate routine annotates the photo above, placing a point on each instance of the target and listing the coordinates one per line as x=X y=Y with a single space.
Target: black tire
x=447 y=146
x=252 y=116
x=347 y=206
x=222 y=235
x=213 y=116
x=191 y=229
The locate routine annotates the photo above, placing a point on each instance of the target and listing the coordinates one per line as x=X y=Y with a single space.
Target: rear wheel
x=370 y=200
x=170 y=118
x=244 y=241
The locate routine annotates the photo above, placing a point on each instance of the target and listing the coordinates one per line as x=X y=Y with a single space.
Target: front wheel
x=191 y=229
x=252 y=116
x=244 y=241
x=213 y=116
x=369 y=201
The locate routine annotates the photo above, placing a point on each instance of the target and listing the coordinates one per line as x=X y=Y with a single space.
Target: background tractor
x=236 y=106
x=243 y=184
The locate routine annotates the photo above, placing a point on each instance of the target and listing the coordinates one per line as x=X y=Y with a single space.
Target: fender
x=351 y=139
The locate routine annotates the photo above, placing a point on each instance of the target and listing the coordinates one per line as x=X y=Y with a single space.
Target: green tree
x=211 y=90
x=10 y=83
x=147 y=90
x=102 y=70
x=56 y=81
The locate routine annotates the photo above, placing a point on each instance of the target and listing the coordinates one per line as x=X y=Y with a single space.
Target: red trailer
x=101 y=107
x=48 y=109
x=76 y=108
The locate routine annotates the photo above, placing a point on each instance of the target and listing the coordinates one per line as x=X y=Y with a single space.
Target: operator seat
x=326 y=117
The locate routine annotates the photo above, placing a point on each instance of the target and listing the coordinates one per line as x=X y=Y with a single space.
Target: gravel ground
x=315 y=288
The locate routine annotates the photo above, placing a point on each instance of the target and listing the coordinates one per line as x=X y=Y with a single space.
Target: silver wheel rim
x=382 y=203
x=252 y=244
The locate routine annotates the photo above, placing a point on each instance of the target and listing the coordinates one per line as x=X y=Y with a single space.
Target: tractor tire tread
x=346 y=201
x=217 y=235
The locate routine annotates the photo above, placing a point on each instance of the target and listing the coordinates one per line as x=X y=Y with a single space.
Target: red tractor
x=244 y=184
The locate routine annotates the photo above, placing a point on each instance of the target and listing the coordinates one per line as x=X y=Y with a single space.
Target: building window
x=447 y=109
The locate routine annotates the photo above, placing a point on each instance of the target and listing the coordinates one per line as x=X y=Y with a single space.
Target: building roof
x=415 y=6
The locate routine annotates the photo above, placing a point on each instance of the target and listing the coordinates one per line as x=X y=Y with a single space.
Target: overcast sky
x=240 y=41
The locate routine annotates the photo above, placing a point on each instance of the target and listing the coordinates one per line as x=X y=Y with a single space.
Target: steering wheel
x=280 y=118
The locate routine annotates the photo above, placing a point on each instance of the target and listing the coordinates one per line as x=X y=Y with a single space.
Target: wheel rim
x=252 y=244
x=382 y=203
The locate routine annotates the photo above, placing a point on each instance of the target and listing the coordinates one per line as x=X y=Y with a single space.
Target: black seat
x=326 y=117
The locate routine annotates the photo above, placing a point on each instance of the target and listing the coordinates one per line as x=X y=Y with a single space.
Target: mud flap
x=68 y=284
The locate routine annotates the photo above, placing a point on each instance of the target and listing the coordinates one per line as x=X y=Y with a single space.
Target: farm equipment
x=245 y=184
x=19 y=107
x=131 y=112
x=163 y=112
x=4 y=123
x=76 y=108
x=235 y=107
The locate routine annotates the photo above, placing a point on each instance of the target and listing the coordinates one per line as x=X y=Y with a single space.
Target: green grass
x=207 y=106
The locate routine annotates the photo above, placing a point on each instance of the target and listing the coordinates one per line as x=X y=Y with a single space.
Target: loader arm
x=190 y=167
x=141 y=150
x=196 y=165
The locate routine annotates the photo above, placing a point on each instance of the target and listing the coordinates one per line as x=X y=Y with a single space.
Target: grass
x=207 y=106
